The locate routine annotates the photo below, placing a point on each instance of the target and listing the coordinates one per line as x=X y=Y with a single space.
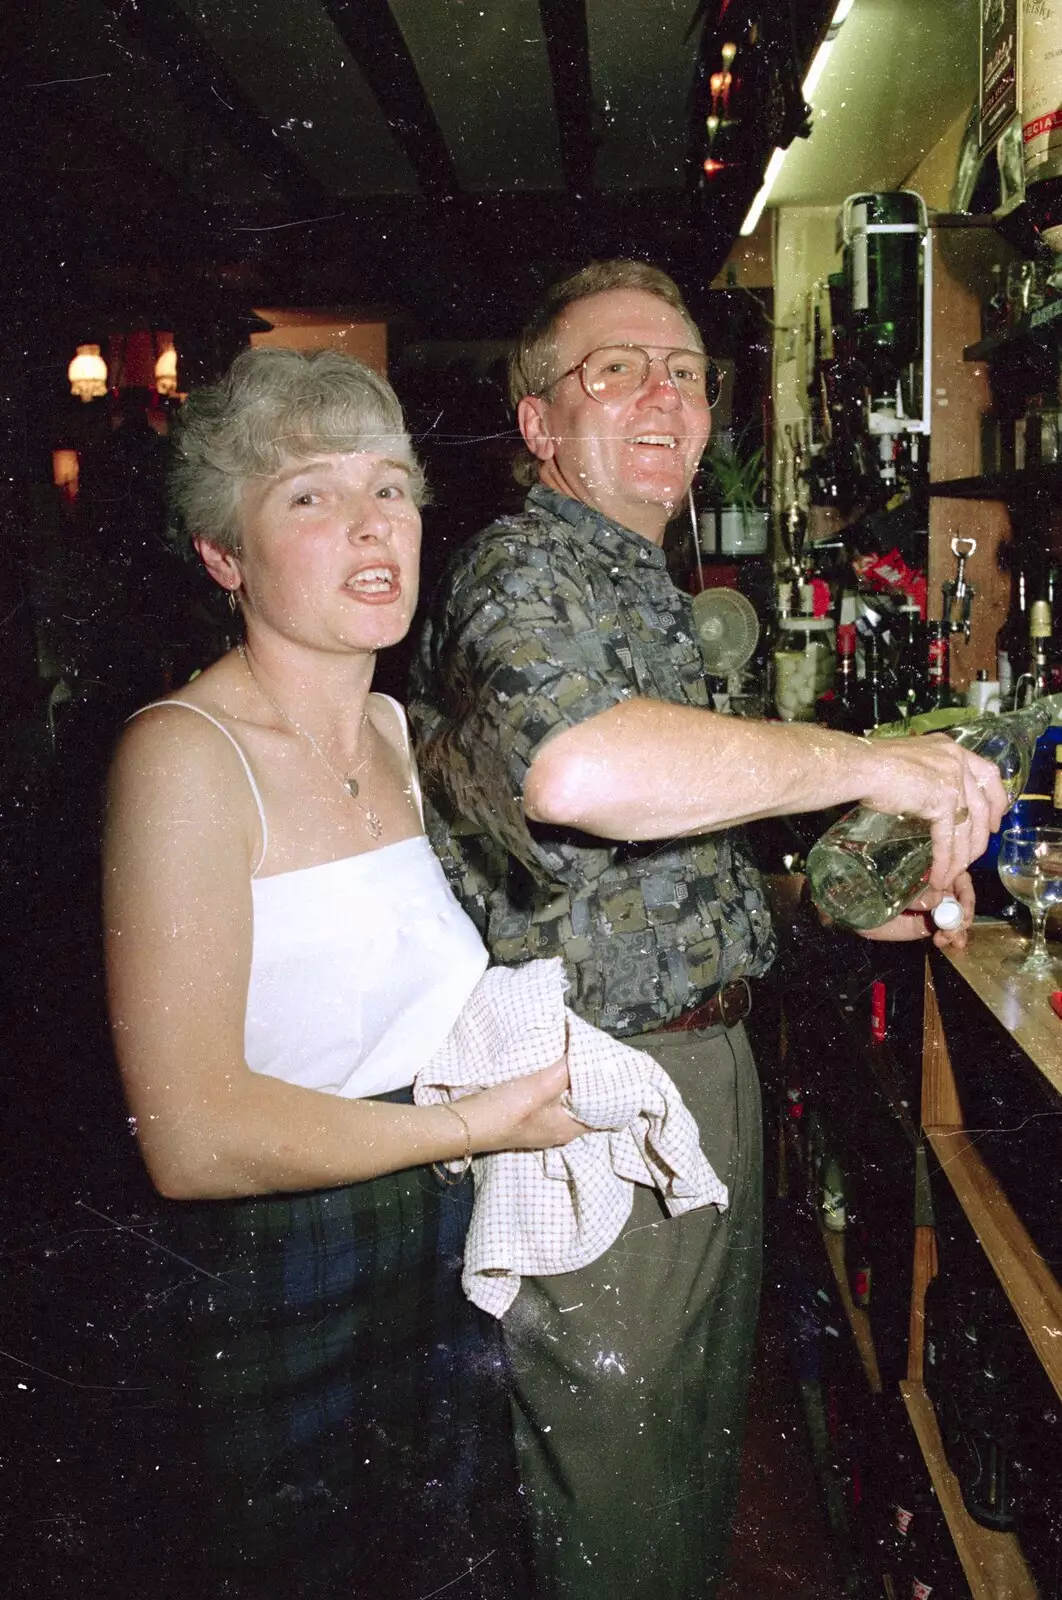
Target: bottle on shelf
x=983 y=693
x=908 y=1502
x=1038 y=675
x=832 y=1209
x=879 y=1011
x=1013 y=638
x=1041 y=93
x=870 y=865
x=794 y=1100
x=815 y=1153
x=994 y=310
x=938 y=666
x=972 y=1388
x=1054 y=644
x=909 y=668
x=793 y=1110
x=983 y=1464
x=803 y=1134
x=836 y=708
x=859 y=704
x=858 y=1263
x=876 y=702
x=939 y=1381
x=1000 y=1419
x=933 y=1567
x=910 y=466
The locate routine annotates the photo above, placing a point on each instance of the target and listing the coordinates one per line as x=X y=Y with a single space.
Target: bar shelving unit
x=993 y=1562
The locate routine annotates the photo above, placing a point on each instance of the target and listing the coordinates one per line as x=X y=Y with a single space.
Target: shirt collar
x=611 y=540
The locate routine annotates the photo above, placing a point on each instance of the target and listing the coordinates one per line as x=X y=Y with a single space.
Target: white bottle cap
x=984 y=695
x=948 y=915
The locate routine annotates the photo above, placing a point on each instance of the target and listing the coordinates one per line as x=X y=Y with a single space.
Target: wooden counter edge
x=1030 y=1286
x=994 y=1565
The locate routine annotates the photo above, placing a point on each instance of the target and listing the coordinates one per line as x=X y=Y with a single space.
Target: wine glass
x=1030 y=866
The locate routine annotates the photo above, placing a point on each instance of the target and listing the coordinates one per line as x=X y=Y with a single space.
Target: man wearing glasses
x=585 y=801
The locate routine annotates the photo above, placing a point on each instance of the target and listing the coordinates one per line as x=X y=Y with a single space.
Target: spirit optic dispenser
x=886 y=246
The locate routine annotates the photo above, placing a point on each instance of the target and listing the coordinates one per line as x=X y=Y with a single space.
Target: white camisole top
x=359 y=967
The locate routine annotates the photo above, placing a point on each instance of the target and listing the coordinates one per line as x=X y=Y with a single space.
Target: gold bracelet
x=440 y=1168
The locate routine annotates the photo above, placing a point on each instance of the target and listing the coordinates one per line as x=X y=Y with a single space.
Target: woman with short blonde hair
x=283 y=955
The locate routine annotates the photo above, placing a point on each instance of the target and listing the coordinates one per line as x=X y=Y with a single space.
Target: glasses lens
x=689 y=374
x=617 y=371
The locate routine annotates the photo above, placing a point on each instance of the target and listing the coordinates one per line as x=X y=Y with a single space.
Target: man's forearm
x=649 y=770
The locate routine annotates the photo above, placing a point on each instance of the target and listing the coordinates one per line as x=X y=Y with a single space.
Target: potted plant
x=737 y=480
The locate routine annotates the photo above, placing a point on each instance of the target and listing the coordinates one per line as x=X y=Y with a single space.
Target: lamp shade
x=166 y=371
x=88 y=373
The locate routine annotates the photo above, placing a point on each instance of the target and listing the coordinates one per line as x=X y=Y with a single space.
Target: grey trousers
x=630 y=1375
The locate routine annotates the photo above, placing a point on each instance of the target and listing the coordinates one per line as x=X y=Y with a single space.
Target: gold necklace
x=349 y=784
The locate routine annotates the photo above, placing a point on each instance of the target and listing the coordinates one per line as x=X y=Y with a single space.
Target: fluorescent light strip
x=811 y=82
x=774 y=167
x=807 y=89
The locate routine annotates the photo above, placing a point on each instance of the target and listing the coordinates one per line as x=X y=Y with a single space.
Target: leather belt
x=729 y=1006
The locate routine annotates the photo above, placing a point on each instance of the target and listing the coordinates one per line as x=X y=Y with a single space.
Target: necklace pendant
x=352 y=787
x=373 y=823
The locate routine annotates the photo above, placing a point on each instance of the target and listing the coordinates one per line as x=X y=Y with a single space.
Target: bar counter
x=991 y=1143
x=991 y=1088
x=1020 y=1004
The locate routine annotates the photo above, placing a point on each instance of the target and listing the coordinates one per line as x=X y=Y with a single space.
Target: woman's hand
x=917 y=923
x=524 y=1114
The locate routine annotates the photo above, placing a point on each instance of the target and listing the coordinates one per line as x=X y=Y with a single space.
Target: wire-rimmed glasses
x=616 y=371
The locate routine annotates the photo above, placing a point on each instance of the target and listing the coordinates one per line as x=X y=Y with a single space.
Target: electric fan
x=726 y=623
x=727 y=629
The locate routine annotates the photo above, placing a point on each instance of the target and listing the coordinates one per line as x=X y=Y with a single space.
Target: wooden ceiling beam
x=374 y=39
x=195 y=73
x=567 y=36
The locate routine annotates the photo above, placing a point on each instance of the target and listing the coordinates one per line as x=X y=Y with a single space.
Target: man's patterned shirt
x=543 y=620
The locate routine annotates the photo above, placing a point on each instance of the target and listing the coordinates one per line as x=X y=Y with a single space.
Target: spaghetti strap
x=188 y=706
x=407 y=746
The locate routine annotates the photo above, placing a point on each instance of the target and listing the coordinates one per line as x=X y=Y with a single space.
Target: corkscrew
x=958 y=594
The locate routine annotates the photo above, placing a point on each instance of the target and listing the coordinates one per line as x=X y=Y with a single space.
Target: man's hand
x=917 y=923
x=959 y=794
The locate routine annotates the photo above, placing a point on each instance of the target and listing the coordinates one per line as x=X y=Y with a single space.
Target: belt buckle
x=735 y=1002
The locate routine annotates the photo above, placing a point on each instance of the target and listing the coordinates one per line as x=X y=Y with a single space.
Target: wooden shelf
x=1021 y=1006
x=1029 y=1284
x=833 y=1243
x=1009 y=486
x=858 y=1319
x=993 y=1563
x=1040 y=327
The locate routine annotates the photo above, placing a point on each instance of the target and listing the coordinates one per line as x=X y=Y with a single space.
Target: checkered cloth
x=543 y=1212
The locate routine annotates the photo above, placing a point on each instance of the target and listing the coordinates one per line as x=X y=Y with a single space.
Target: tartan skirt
x=339 y=1410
